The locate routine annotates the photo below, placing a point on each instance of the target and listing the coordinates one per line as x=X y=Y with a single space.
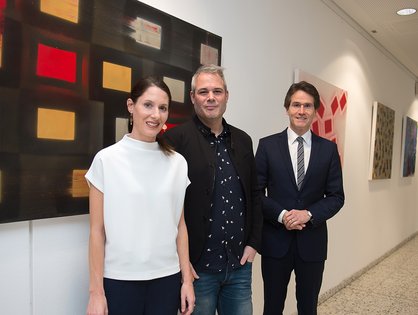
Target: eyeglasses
x=306 y=106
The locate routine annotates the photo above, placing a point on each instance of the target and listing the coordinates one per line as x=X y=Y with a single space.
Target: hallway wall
x=43 y=263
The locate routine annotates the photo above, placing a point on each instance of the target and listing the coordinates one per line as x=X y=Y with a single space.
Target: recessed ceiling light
x=407 y=11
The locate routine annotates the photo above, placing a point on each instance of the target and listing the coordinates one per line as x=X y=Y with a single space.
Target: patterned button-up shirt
x=224 y=245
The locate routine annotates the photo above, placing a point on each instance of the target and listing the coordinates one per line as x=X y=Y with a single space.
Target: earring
x=131 y=120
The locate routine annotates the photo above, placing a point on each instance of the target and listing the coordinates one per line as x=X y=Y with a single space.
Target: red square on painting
x=2 y=7
x=334 y=105
x=328 y=126
x=321 y=109
x=343 y=101
x=56 y=63
x=315 y=127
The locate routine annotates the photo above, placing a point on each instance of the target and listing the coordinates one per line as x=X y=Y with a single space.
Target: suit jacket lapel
x=285 y=155
x=313 y=159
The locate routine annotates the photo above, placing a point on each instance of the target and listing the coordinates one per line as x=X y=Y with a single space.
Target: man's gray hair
x=214 y=69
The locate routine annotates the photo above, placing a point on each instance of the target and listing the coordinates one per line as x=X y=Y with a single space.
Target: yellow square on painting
x=80 y=188
x=56 y=124
x=63 y=9
x=116 y=77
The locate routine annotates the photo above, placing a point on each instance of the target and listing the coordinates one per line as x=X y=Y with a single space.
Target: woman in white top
x=139 y=257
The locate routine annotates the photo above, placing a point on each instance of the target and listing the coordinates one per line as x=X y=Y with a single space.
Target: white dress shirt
x=293 y=147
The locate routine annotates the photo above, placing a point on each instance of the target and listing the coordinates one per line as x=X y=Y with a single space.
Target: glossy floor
x=390 y=287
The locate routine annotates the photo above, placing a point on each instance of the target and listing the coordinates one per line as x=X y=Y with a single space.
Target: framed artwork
x=66 y=69
x=409 y=146
x=381 y=149
x=330 y=119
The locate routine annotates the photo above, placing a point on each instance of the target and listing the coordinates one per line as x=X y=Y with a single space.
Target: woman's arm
x=97 y=301
x=187 y=292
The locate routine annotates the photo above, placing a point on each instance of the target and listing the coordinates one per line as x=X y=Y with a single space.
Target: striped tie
x=300 y=162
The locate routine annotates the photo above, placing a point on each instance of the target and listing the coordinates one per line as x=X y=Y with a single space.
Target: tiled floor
x=390 y=287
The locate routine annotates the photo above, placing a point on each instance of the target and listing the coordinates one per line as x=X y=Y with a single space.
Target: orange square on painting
x=116 y=77
x=80 y=188
x=55 y=124
x=63 y=9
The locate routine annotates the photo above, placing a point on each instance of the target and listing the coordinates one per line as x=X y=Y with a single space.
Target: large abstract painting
x=381 y=151
x=331 y=115
x=66 y=68
x=409 y=146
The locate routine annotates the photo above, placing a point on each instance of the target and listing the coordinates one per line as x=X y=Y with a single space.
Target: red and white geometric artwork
x=331 y=114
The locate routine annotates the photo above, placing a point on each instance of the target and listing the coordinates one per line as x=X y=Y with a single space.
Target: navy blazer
x=189 y=141
x=321 y=193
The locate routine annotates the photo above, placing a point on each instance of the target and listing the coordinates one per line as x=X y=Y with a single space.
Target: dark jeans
x=228 y=292
x=150 y=297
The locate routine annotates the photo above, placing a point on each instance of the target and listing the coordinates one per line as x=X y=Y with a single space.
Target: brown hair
x=305 y=87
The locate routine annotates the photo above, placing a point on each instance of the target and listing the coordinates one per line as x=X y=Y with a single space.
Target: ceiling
x=396 y=36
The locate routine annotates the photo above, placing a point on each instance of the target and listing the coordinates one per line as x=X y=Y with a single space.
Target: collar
x=206 y=131
x=291 y=136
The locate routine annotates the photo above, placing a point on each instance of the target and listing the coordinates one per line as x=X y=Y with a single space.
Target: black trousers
x=276 y=275
x=151 y=297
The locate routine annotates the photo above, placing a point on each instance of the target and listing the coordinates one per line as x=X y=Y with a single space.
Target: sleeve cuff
x=280 y=219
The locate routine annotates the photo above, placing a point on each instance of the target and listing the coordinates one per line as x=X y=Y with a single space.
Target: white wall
x=43 y=265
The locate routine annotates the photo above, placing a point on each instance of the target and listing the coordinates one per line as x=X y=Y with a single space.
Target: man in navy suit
x=301 y=176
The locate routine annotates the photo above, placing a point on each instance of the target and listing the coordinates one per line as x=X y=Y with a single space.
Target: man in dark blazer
x=222 y=206
x=301 y=176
